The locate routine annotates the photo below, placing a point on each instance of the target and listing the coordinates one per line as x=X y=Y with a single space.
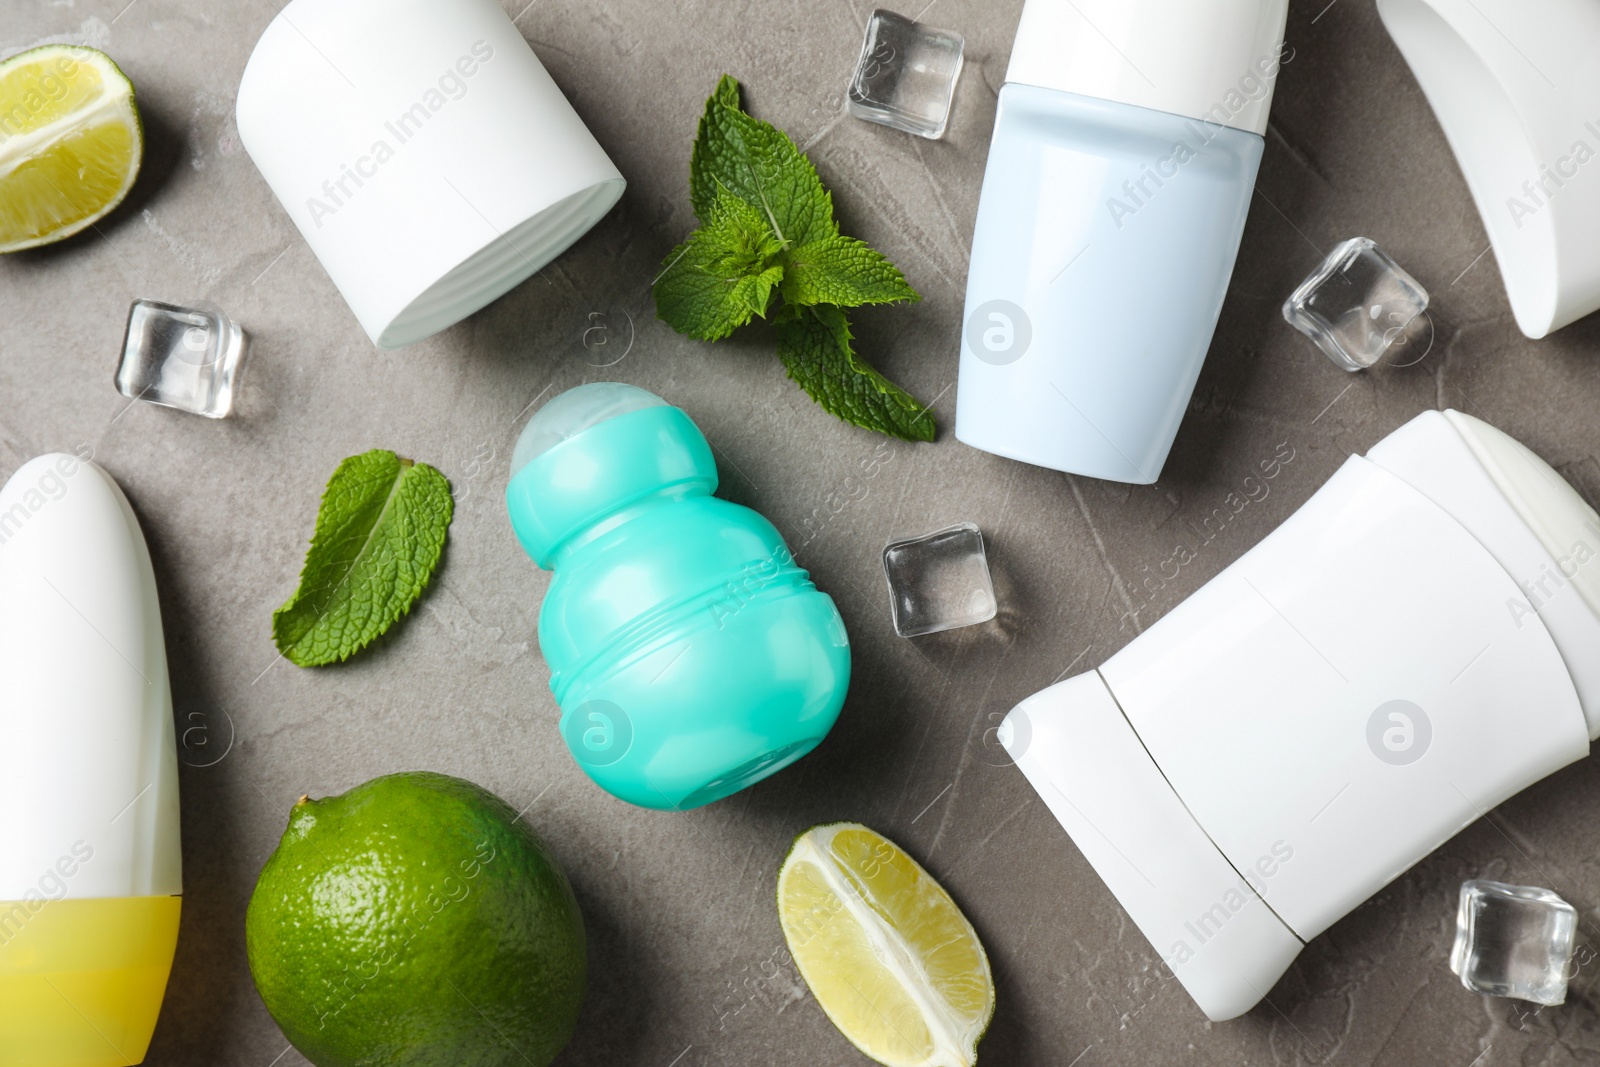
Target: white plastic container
x=1124 y=156
x=90 y=866
x=1414 y=645
x=1517 y=90
x=424 y=153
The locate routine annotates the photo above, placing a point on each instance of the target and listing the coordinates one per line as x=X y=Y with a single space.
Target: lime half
x=70 y=143
x=886 y=952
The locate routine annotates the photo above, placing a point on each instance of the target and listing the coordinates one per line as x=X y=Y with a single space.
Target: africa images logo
x=451 y=85
x=1399 y=732
x=598 y=732
x=999 y=332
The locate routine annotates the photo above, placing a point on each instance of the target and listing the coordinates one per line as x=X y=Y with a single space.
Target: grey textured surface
x=685 y=944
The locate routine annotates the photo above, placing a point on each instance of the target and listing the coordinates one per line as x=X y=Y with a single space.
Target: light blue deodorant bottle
x=1124 y=156
x=690 y=655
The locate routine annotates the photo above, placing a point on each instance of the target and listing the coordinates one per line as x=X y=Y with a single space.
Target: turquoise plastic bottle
x=689 y=654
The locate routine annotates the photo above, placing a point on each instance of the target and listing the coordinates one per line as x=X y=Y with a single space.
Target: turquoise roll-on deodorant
x=691 y=656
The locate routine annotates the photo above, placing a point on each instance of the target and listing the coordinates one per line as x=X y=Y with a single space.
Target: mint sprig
x=767 y=233
x=379 y=535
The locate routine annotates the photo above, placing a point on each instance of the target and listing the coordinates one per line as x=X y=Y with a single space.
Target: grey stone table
x=685 y=946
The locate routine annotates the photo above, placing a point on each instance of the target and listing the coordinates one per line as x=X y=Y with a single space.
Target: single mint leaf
x=757 y=163
x=723 y=276
x=815 y=345
x=842 y=271
x=380 y=531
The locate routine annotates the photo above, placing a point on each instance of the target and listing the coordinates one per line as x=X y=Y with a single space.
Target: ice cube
x=906 y=75
x=1513 y=941
x=1357 y=305
x=939 y=581
x=181 y=357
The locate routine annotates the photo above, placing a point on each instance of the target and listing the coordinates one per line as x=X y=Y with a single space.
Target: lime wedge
x=70 y=143
x=886 y=952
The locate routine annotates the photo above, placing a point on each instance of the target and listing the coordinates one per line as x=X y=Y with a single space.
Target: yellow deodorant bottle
x=90 y=868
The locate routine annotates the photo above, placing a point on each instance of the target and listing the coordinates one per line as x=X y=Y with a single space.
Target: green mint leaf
x=815 y=345
x=723 y=276
x=757 y=163
x=379 y=535
x=842 y=271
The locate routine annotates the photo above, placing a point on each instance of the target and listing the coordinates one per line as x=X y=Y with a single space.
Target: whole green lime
x=412 y=922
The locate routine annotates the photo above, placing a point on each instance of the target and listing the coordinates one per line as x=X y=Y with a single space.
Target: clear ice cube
x=1357 y=305
x=906 y=76
x=181 y=357
x=1513 y=941
x=939 y=581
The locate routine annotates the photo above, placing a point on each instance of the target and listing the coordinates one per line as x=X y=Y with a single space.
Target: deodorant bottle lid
x=423 y=151
x=575 y=411
x=1215 y=60
x=593 y=451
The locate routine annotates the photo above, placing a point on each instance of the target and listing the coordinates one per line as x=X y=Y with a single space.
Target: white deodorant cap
x=89 y=769
x=1214 y=60
x=424 y=152
x=1517 y=90
x=1211 y=927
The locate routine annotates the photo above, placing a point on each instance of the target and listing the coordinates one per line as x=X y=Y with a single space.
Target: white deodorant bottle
x=1418 y=642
